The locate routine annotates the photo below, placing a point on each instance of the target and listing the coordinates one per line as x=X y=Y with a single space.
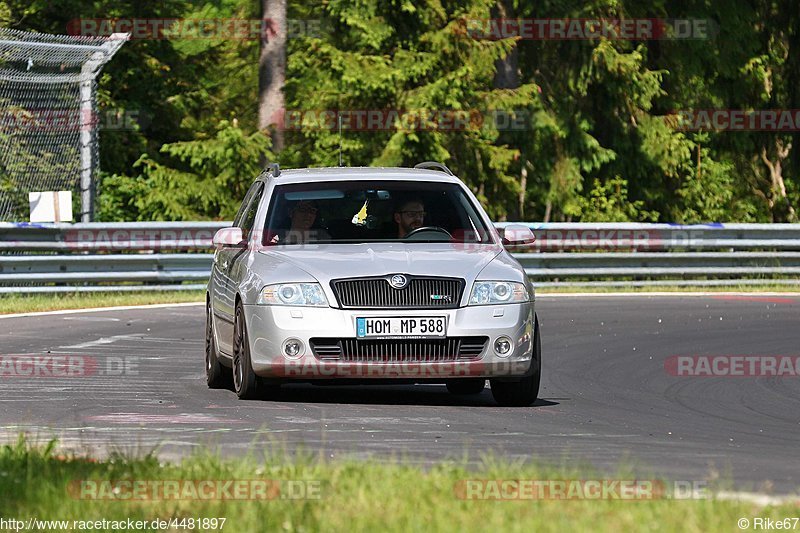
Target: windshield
x=372 y=211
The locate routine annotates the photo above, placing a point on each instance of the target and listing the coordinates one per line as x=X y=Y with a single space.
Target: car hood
x=335 y=261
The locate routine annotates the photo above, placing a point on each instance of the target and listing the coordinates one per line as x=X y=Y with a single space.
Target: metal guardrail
x=96 y=268
x=662 y=237
x=111 y=236
x=182 y=236
x=658 y=264
x=174 y=255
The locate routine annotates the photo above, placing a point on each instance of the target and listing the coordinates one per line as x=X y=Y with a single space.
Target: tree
x=415 y=63
x=272 y=69
x=207 y=178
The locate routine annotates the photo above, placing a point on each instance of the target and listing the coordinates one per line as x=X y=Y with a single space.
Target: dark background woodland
x=593 y=142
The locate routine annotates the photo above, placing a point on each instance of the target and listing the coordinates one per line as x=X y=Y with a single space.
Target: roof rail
x=275 y=168
x=436 y=165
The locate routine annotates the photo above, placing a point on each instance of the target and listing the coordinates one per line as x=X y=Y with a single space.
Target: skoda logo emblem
x=398 y=281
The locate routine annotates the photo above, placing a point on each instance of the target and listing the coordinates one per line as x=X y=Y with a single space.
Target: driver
x=302 y=216
x=409 y=215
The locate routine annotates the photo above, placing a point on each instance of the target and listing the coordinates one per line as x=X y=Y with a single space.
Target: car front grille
x=398 y=350
x=419 y=293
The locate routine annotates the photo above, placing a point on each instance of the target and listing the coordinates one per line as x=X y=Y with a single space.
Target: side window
x=249 y=215
x=245 y=203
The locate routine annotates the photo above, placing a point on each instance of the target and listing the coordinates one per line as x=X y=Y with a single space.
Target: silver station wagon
x=354 y=275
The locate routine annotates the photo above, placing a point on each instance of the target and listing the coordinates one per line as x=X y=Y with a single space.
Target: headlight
x=299 y=294
x=498 y=292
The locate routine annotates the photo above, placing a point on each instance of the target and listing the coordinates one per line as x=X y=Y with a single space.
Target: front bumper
x=269 y=326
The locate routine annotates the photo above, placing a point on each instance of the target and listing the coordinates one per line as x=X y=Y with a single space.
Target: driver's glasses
x=413 y=214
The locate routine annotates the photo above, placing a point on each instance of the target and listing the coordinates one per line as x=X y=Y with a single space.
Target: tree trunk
x=789 y=14
x=506 y=76
x=779 y=204
x=506 y=69
x=272 y=70
x=523 y=187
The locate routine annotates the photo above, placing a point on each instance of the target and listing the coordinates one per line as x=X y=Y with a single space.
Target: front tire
x=216 y=377
x=524 y=392
x=245 y=382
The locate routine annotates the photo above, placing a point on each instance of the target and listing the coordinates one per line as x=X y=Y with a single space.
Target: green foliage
x=416 y=61
x=208 y=179
x=5 y=14
x=609 y=203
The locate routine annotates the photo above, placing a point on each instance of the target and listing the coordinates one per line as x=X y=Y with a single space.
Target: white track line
x=101 y=309
x=762 y=500
x=644 y=294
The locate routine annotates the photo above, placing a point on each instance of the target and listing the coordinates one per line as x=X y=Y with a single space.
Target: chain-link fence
x=48 y=117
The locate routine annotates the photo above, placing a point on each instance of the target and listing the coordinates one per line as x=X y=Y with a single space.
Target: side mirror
x=231 y=236
x=517 y=234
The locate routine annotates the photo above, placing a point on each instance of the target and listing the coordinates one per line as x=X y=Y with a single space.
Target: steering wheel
x=428 y=228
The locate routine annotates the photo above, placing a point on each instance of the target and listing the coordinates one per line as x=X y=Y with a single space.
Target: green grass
x=789 y=289
x=27 y=303
x=354 y=495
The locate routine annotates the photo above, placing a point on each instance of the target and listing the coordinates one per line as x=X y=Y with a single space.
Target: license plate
x=387 y=327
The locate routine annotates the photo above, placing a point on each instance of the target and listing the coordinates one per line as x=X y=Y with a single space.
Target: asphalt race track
x=607 y=395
